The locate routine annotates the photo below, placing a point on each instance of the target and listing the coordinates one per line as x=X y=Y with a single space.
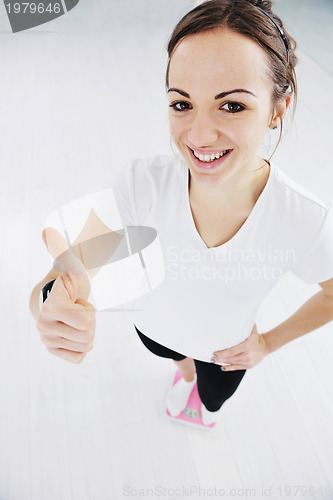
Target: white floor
x=79 y=97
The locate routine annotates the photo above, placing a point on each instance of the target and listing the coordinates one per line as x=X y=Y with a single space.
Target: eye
x=180 y=106
x=233 y=107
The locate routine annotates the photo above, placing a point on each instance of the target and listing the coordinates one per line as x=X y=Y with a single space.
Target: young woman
x=230 y=223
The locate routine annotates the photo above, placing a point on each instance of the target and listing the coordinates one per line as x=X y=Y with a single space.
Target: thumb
x=85 y=304
x=54 y=242
x=69 y=288
x=65 y=258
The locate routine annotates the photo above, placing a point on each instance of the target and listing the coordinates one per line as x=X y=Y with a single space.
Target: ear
x=279 y=112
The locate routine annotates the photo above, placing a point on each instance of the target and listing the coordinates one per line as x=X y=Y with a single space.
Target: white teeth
x=211 y=157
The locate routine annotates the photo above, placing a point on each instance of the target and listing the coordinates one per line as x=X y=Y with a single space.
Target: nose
x=203 y=131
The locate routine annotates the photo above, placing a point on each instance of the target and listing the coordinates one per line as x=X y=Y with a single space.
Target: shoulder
x=147 y=174
x=299 y=213
x=156 y=167
x=297 y=202
x=142 y=182
x=153 y=178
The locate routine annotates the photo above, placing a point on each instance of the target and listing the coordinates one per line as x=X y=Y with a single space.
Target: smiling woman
x=230 y=78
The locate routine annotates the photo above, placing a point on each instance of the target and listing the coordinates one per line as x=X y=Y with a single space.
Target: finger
x=79 y=315
x=68 y=345
x=237 y=360
x=96 y=243
x=222 y=358
x=232 y=368
x=87 y=305
x=77 y=286
x=54 y=242
x=231 y=351
x=67 y=258
x=75 y=316
x=56 y=329
x=62 y=290
x=72 y=357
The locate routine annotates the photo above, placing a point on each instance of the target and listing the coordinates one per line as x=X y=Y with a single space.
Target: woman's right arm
x=66 y=320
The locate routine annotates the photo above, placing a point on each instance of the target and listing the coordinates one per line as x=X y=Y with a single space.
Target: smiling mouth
x=208 y=158
x=211 y=160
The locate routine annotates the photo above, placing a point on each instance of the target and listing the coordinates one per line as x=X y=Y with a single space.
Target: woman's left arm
x=314 y=313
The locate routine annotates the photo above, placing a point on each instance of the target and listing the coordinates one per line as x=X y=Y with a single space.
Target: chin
x=208 y=177
x=205 y=179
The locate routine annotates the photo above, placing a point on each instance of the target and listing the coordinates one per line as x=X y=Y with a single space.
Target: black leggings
x=214 y=385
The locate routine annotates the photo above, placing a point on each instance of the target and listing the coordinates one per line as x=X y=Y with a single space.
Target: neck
x=239 y=190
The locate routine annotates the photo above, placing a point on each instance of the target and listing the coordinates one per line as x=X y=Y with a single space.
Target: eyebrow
x=218 y=96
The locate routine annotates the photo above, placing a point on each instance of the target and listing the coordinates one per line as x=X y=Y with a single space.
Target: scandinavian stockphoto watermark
x=124 y=263
x=25 y=15
x=228 y=264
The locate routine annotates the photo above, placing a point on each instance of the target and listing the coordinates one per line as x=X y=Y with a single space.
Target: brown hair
x=243 y=16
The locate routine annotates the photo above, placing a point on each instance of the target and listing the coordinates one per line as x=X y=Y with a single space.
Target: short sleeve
x=122 y=185
x=316 y=265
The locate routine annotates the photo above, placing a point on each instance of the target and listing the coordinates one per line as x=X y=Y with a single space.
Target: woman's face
x=221 y=104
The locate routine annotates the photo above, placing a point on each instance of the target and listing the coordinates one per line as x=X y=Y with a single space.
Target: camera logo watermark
x=87 y=235
x=25 y=15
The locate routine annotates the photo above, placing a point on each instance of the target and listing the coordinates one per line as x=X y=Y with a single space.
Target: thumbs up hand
x=66 y=321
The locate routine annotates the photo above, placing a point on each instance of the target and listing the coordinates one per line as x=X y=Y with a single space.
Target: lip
x=206 y=151
x=209 y=165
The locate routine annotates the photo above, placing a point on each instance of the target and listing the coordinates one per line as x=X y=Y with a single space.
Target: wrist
x=270 y=341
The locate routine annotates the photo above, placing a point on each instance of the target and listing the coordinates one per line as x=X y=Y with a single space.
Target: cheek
x=238 y=131
x=249 y=132
x=176 y=128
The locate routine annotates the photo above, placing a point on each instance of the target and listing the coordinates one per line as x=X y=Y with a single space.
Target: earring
x=274 y=128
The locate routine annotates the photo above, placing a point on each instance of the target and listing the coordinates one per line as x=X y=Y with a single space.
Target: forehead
x=221 y=57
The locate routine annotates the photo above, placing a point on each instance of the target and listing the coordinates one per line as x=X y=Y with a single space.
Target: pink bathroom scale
x=192 y=413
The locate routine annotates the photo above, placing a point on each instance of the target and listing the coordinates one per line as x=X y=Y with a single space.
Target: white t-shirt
x=209 y=297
